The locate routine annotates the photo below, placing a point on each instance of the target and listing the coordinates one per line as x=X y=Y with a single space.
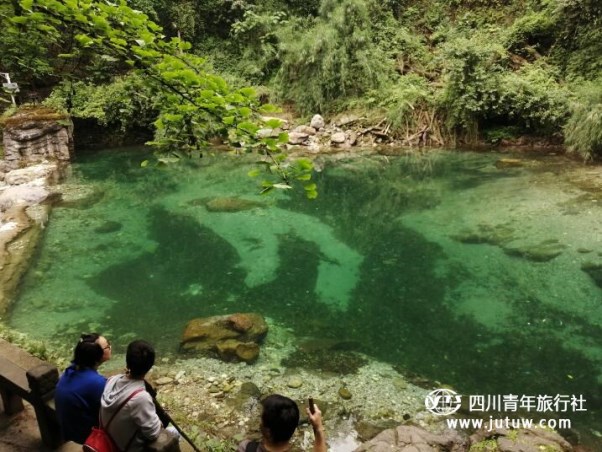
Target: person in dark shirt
x=78 y=393
x=279 y=420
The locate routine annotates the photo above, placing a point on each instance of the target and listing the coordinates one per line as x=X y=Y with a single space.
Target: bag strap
x=252 y=446
x=118 y=409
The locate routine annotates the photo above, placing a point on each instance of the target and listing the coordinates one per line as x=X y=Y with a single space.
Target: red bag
x=99 y=439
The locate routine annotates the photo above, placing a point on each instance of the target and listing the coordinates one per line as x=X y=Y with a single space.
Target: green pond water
x=487 y=279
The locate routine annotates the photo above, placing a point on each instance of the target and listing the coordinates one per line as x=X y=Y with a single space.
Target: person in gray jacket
x=136 y=421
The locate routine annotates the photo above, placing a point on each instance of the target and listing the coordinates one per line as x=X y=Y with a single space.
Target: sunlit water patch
x=485 y=278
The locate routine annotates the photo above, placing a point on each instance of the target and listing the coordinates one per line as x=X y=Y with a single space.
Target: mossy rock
x=509 y=163
x=32 y=113
x=233 y=337
x=486 y=234
x=231 y=205
x=107 y=227
x=541 y=252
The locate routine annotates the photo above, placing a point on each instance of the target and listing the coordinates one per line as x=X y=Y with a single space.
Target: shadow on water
x=192 y=271
x=398 y=313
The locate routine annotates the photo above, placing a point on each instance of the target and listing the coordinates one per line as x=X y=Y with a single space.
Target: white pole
x=7 y=77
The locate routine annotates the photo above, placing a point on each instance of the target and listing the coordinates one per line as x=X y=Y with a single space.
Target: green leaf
x=254 y=172
x=273 y=123
x=248 y=92
x=144 y=163
x=283 y=138
x=248 y=127
x=245 y=112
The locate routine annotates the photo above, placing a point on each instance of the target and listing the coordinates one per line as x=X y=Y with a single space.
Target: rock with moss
x=231 y=204
x=539 y=252
x=234 y=337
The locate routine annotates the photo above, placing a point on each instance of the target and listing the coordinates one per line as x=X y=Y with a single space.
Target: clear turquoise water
x=385 y=260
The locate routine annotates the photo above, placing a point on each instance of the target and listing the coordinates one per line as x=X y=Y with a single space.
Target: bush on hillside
x=332 y=61
x=481 y=87
x=126 y=102
x=583 y=131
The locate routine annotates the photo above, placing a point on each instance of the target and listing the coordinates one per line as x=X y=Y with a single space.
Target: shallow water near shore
x=443 y=265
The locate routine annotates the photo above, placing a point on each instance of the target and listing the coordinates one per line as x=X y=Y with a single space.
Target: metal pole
x=7 y=77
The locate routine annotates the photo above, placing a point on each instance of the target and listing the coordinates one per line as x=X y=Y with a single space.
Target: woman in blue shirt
x=78 y=393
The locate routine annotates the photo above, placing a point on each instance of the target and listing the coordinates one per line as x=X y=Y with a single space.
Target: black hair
x=88 y=352
x=139 y=358
x=280 y=417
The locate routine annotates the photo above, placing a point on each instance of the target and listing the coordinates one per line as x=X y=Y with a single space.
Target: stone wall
x=35 y=135
x=38 y=142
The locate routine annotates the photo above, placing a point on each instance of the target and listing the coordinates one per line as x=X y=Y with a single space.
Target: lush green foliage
x=331 y=60
x=126 y=102
x=457 y=67
x=193 y=104
x=584 y=127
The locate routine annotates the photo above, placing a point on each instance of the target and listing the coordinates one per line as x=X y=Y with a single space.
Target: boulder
x=233 y=337
x=317 y=122
x=338 y=138
x=297 y=137
x=406 y=438
x=45 y=172
x=22 y=194
x=304 y=129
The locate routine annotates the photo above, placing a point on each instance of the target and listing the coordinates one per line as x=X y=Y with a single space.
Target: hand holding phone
x=312 y=408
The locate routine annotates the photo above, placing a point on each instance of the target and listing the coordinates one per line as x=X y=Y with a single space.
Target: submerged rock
x=485 y=233
x=108 y=227
x=78 y=196
x=540 y=252
x=233 y=337
x=345 y=393
x=327 y=360
x=231 y=204
x=509 y=163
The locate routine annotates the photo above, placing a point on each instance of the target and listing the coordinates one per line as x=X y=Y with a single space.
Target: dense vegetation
x=460 y=70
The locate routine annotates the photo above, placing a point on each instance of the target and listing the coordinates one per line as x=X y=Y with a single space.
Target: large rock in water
x=233 y=337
